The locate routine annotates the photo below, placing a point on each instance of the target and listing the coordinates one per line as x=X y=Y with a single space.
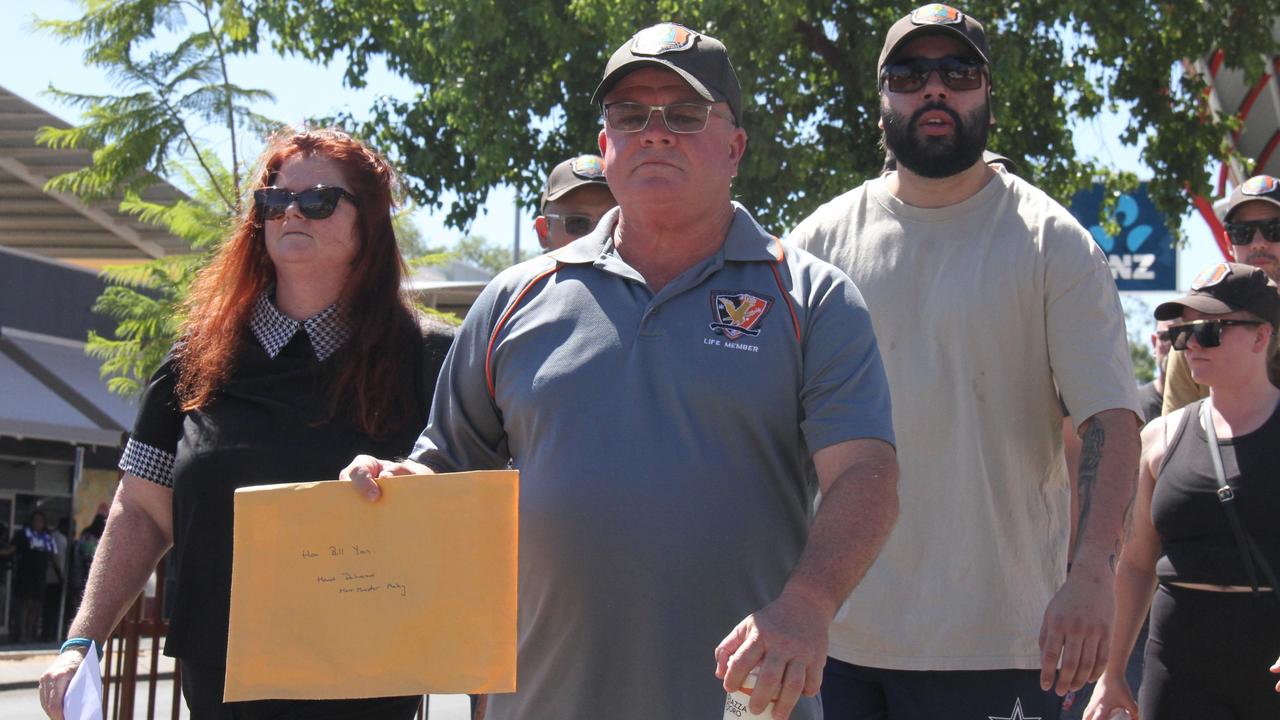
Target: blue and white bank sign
x=1142 y=256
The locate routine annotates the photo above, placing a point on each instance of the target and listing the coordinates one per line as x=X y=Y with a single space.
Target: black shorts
x=1209 y=656
x=853 y=692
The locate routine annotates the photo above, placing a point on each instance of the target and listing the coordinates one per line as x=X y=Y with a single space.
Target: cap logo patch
x=936 y=14
x=1259 y=185
x=1211 y=276
x=664 y=38
x=588 y=167
x=738 y=313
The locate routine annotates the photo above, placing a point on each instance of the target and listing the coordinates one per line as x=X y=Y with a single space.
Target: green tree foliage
x=167 y=58
x=506 y=85
x=481 y=252
x=1144 y=363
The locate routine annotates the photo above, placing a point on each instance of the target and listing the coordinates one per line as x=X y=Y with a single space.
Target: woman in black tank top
x=1214 y=638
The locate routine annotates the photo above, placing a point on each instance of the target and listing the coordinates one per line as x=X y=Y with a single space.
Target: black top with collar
x=268 y=424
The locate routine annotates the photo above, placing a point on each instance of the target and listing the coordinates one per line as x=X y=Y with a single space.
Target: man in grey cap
x=675 y=388
x=1251 y=220
x=575 y=198
x=994 y=311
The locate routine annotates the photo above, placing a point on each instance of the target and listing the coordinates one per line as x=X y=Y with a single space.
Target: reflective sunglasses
x=1206 y=332
x=956 y=73
x=1241 y=233
x=315 y=203
x=574 y=225
x=683 y=118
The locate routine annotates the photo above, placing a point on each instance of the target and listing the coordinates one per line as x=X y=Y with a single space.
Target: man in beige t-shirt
x=990 y=302
x=1252 y=222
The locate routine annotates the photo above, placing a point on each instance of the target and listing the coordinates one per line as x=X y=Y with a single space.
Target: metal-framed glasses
x=1206 y=332
x=684 y=118
x=1241 y=233
x=316 y=203
x=911 y=75
x=574 y=225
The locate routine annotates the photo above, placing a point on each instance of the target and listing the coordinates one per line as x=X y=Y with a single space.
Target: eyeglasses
x=574 y=225
x=1162 y=336
x=956 y=73
x=315 y=203
x=1241 y=233
x=1206 y=332
x=683 y=118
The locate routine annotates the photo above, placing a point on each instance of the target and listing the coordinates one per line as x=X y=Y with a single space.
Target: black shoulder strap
x=1250 y=554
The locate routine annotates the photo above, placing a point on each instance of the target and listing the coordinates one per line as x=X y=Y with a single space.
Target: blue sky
x=303 y=89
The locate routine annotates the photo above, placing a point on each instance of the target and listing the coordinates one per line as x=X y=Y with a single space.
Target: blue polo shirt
x=665 y=445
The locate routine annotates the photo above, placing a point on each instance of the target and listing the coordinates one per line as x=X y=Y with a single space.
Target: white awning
x=51 y=390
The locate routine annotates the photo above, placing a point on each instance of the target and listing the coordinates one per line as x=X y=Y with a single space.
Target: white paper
x=83 y=700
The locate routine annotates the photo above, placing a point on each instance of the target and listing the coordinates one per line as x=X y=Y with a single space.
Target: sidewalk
x=21 y=668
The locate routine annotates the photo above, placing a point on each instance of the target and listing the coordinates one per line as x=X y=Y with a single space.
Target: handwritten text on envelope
x=333 y=596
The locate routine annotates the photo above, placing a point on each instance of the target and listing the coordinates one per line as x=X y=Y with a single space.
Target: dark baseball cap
x=700 y=59
x=1262 y=188
x=934 y=19
x=1224 y=288
x=573 y=174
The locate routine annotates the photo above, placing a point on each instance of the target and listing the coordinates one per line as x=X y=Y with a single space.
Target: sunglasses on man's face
x=1241 y=233
x=574 y=225
x=1208 y=333
x=911 y=75
x=315 y=203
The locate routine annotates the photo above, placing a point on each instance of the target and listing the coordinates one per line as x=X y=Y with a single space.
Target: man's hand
x=1077 y=629
x=1276 y=670
x=786 y=642
x=364 y=471
x=54 y=681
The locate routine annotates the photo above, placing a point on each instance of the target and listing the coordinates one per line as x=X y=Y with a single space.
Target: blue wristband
x=83 y=642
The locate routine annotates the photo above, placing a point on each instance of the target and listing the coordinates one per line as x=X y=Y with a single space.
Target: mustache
x=1259 y=255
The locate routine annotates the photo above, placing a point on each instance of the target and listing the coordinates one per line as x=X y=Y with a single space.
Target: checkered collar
x=327 y=329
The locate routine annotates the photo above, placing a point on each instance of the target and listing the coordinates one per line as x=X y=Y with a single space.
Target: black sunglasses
x=911 y=75
x=1206 y=332
x=1241 y=233
x=574 y=225
x=315 y=203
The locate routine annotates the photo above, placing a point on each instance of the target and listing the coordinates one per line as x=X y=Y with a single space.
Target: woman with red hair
x=299 y=350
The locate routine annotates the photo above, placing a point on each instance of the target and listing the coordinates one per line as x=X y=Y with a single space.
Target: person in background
x=1252 y=223
x=575 y=198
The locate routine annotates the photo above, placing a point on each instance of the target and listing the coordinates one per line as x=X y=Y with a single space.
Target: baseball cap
x=934 y=19
x=1227 y=287
x=573 y=174
x=1259 y=187
x=701 y=60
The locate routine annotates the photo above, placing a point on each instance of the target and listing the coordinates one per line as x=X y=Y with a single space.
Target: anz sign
x=1142 y=256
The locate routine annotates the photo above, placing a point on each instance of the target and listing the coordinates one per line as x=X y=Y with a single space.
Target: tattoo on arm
x=1094 y=440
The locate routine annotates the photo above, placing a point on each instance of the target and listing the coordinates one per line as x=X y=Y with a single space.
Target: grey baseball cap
x=701 y=60
x=1262 y=188
x=934 y=19
x=573 y=174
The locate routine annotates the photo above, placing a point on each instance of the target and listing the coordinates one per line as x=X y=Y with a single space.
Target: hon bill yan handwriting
x=339 y=566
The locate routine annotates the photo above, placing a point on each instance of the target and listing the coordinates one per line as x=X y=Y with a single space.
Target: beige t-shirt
x=984 y=312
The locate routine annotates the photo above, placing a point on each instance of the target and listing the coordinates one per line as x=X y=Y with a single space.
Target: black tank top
x=1195 y=535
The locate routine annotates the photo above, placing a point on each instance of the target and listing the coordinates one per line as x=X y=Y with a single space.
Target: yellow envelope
x=336 y=597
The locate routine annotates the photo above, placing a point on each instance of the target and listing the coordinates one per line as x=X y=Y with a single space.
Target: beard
x=937 y=156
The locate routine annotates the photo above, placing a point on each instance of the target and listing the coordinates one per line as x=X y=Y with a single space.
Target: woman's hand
x=1109 y=696
x=1276 y=670
x=54 y=681
x=363 y=473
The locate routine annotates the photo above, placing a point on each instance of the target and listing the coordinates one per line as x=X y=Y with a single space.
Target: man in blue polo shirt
x=675 y=387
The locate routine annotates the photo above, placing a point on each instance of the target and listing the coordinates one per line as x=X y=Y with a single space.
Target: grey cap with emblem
x=571 y=175
x=701 y=60
x=934 y=19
